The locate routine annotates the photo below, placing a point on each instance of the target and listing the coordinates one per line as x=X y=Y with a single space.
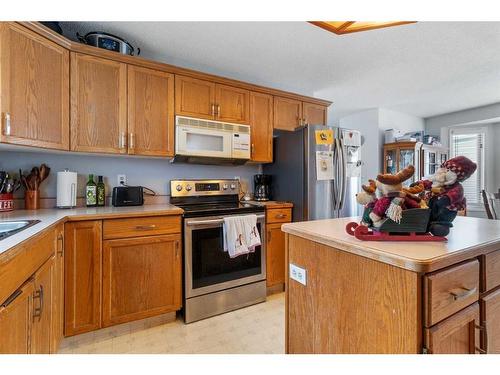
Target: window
x=468 y=142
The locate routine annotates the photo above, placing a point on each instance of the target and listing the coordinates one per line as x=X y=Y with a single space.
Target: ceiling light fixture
x=347 y=27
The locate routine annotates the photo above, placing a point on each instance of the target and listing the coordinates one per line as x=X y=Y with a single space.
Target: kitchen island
x=352 y=296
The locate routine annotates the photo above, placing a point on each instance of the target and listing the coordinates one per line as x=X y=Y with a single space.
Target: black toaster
x=127 y=196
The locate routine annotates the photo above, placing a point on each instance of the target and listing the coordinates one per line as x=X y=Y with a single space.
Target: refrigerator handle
x=335 y=182
x=343 y=168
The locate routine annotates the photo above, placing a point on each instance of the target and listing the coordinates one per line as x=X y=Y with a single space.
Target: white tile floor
x=257 y=329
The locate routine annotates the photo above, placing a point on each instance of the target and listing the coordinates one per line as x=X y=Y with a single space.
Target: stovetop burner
x=209 y=198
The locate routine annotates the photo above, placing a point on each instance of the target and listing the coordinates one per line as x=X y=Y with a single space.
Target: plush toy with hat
x=393 y=198
x=445 y=194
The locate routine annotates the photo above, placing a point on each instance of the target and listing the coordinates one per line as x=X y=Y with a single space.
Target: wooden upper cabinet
x=41 y=330
x=83 y=272
x=261 y=127
x=15 y=320
x=142 y=277
x=455 y=335
x=150 y=112
x=314 y=114
x=287 y=113
x=34 y=85
x=194 y=97
x=233 y=104
x=98 y=104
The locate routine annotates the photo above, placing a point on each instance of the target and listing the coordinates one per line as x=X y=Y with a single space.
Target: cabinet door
x=314 y=114
x=15 y=321
x=98 y=104
x=141 y=278
x=233 y=104
x=261 y=127
x=275 y=259
x=34 y=82
x=82 y=276
x=194 y=97
x=58 y=292
x=150 y=112
x=41 y=331
x=490 y=314
x=455 y=335
x=287 y=113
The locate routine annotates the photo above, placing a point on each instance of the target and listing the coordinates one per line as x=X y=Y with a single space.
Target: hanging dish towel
x=240 y=235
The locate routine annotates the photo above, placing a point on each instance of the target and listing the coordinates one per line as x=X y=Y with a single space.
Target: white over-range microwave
x=205 y=141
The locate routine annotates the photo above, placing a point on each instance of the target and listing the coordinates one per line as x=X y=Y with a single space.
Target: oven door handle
x=212 y=221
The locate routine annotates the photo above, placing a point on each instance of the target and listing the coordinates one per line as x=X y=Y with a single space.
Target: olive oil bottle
x=91 y=192
x=101 y=192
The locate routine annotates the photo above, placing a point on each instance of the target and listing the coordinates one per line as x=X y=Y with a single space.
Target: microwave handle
x=213 y=221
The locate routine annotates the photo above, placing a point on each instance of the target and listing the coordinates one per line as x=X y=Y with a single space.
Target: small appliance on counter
x=262 y=187
x=127 y=196
x=66 y=189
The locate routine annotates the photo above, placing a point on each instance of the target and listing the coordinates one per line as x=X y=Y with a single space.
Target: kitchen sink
x=8 y=228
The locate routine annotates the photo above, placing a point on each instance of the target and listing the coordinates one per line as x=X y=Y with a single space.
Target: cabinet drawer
x=279 y=215
x=450 y=290
x=140 y=227
x=491 y=271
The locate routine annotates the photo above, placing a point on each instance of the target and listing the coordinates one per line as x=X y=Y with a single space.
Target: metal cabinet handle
x=131 y=141
x=122 y=142
x=280 y=216
x=177 y=249
x=37 y=311
x=213 y=109
x=268 y=236
x=145 y=227
x=7 y=123
x=484 y=329
x=464 y=293
x=218 y=110
x=60 y=242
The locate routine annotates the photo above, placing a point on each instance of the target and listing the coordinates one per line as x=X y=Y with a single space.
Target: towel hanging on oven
x=240 y=235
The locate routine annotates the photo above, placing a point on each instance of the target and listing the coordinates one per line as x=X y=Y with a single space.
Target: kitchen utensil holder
x=32 y=200
x=6 y=202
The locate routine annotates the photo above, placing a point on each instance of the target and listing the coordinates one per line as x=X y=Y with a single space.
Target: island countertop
x=468 y=238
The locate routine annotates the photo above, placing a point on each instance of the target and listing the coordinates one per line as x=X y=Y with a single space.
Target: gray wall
x=154 y=173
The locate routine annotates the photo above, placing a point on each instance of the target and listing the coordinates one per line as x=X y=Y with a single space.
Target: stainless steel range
x=214 y=283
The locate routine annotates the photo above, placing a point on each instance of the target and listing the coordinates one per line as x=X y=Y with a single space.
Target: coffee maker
x=262 y=187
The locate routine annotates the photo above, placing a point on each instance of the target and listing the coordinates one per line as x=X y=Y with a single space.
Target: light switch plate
x=298 y=274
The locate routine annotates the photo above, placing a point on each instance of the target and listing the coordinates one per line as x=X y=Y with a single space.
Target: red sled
x=413 y=227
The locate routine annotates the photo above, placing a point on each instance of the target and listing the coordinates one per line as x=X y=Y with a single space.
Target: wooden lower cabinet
x=57 y=333
x=42 y=310
x=15 y=321
x=490 y=320
x=456 y=335
x=82 y=279
x=275 y=259
x=142 y=277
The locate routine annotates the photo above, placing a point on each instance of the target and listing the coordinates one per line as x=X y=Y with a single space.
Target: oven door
x=208 y=268
x=193 y=141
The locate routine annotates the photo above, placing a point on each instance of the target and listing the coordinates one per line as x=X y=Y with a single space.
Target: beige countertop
x=272 y=204
x=53 y=216
x=468 y=238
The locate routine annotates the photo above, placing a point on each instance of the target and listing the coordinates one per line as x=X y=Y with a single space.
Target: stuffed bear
x=393 y=200
x=445 y=194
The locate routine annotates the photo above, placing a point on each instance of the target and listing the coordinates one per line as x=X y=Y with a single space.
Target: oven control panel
x=183 y=188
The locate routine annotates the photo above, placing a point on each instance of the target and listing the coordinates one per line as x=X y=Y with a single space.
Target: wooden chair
x=489 y=204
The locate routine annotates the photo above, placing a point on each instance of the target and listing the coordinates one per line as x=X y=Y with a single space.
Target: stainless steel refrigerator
x=318 y=168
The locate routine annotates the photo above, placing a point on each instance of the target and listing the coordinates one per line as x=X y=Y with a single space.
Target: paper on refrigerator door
x=324 y=165
x=353 y=170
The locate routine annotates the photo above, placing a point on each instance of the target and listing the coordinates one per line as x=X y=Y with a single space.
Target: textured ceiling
x=422 y=69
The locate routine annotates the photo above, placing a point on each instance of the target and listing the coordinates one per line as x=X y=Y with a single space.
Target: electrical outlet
x=122 y=179
x=298 y=274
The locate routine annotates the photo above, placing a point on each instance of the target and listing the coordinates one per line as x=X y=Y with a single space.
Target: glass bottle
x=101 y=192
x=91 y=192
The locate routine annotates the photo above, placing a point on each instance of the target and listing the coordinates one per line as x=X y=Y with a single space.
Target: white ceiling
x=422 y=69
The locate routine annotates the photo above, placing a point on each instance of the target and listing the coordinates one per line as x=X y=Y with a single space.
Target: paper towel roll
x=66 y=189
